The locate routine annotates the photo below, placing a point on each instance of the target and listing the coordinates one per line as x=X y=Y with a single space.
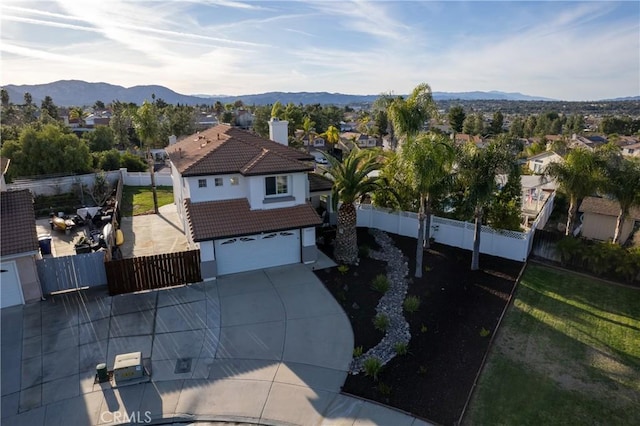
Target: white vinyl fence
x=506 y=244
x=66 y=184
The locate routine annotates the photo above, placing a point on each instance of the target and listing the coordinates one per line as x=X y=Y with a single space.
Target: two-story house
x=243 y=199
x=539 y=162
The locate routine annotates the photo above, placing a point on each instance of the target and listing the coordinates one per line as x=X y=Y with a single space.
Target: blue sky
x=562 y=50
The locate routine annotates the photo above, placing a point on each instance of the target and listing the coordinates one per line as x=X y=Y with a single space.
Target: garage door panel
x=10 y=290
x=257 y=251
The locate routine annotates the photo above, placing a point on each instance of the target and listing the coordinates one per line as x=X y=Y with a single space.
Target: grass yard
x=567 y=353
x=138 y=200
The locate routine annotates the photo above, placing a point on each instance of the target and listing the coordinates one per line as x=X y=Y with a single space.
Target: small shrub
x=422 y=370
x=381 y=322
x=357 y=351
x=401 y=348
x=363 y=251
x=384 y=389
x=341 y=296
x=372 y=367
x=412 y=304
x=380 y=283
x=343 y=269
x=484 y=332
x=423 y=328
x=427 y=269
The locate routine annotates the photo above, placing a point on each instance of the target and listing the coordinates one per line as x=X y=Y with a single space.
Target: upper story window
x=276 y=185
x=202 y=183
x=218 y=182
x=234 y=181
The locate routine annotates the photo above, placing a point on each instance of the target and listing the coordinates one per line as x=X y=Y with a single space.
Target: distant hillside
x=79 y=93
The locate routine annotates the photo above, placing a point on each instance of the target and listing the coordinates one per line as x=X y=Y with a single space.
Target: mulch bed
x=434 y=379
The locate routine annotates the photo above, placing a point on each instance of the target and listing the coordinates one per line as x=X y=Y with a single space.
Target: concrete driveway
x=268 y=347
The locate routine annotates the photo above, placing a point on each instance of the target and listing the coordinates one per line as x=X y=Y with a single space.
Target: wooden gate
x=71 y=272
x=150 y=272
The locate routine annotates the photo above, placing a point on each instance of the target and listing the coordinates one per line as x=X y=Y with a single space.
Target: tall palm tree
x=428 y=161
x=624 y=184
x=408 y=116
x=308 y=128
x=477 y=169
x=352 y=180
x=579 y=175
x=146 y=121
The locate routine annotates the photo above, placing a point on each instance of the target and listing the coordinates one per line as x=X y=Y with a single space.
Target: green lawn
x=138 y=200
x=568 y=353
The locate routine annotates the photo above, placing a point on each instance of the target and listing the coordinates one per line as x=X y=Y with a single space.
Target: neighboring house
x=361 y=139
x=631 y=150
x=599 y=220
x=539 y=162
x=243 y=199
x=590 y=143
x=19 y=249
x=463 y=138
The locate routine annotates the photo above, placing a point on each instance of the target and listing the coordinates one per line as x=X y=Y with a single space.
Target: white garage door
x=10 y=290
x=257 y=251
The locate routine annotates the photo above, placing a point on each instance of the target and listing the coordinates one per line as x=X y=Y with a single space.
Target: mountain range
x=82 y=93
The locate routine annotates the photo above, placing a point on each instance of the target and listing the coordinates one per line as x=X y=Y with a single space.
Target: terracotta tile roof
x=17 y=223
x=319 y=183
x=223 y=149
x=231 y=218
x=606 y=207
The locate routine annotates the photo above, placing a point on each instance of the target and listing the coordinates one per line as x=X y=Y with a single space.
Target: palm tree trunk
x=475 y=258
x=346 y=242
x=619 y=222
x=152 y=173
x=427 y=212
x=420 y=241
x=571 y=214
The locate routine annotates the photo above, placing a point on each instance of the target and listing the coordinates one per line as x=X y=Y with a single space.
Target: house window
x=218 y=181
x=277 y=185
x=234 y=181
x=202 y=183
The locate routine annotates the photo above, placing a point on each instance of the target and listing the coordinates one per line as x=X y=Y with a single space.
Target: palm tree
x=427 y=160
x=408 y=116
x=308 y=127
x=477 y=169
x=147 y=124
x=578 y=176
x=624 y=184
x=352 y=180
x=332 y=136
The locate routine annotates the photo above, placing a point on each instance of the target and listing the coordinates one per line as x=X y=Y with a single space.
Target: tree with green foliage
x=47 y=149
x=477 y=170
x=332 y=136
x=351 y=180
x=505 y=209
x=133 y=163
x=516 y=130
x=409 y=116
x=578 y=176
x=121 y=122
x=427 y=160
x=456 y=118
x=495 y=127
x=473 y=124
x=147 y=125
x=51 y=108
x=178 y=120
x=102 y=138
x=260 y=126
x=623 y=182
x=277 y=111
x=109 y=160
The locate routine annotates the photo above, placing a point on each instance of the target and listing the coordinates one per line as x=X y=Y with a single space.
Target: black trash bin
x=44 y=241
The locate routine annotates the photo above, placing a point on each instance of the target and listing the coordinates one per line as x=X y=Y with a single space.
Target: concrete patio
x=269 y=347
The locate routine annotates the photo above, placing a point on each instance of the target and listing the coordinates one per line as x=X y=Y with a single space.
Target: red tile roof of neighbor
x=17 y=223
x=319 y=183
x=606 y=207
x=223 y=149
x=231 y=218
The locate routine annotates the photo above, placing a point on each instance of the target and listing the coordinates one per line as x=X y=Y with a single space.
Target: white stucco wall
x=212 y=192
x=298 y=190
